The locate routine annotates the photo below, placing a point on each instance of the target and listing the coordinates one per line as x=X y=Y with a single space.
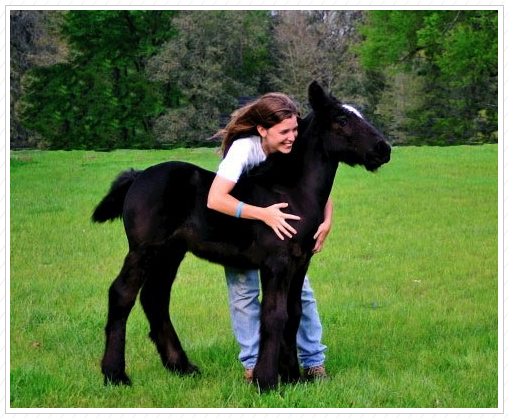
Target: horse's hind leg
x=155 y=297
x=122 y=295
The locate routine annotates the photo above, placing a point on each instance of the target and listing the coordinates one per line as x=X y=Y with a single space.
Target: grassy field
x=406 y=286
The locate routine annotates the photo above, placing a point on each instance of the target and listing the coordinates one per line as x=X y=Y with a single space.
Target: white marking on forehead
x=352 y=109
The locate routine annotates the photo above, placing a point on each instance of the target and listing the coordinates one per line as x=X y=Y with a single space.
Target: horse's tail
x=111 y=206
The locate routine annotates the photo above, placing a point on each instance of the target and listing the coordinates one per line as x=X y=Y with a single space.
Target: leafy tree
x=65 y=92
x=127 y=39
x=216 y=57
x=295 y=55
x=33 y=42
x=101 y=98
x=317 y=45
x=455 y=54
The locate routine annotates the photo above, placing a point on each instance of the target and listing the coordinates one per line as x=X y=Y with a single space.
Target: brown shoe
x=315 y=373
x=249 y=375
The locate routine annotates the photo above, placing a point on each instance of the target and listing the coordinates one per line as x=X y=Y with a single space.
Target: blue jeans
x=245 y=310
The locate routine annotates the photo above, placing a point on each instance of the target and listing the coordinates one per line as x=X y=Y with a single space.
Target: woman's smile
x=287 y=146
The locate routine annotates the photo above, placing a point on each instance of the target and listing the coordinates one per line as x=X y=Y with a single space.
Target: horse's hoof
x=290 y=375
x=117 y=379
x=191 y=369
x=188 y=368
x=265 y=385
x=291 y=380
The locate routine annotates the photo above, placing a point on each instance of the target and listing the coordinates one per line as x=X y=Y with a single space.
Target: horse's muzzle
x=379 y=155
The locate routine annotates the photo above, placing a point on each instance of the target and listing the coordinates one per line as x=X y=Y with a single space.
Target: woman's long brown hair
x=267 y=111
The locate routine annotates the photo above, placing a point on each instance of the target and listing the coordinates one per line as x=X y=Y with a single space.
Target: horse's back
x=162 y=198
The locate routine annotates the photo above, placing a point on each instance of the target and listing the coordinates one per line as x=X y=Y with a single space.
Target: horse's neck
x=318 y=178
x=318 y=167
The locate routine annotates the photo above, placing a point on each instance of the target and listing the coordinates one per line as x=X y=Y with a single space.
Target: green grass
x=407 y=290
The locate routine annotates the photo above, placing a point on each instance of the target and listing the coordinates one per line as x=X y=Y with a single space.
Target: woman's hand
x=219 y=199
x=324 y=228
x=320 y=236
x=276 y=219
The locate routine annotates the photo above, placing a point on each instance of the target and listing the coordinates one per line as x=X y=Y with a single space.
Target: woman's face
x=280 y=137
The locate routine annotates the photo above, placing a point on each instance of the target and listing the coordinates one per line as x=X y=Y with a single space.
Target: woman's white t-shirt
x=244 y=154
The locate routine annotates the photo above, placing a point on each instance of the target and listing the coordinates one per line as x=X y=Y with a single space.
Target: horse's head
x=346 y=133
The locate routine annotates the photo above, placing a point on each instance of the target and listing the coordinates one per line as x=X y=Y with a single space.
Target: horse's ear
x=318 y=99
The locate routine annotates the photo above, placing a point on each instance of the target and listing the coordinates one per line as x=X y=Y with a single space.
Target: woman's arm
x=324 y=228
x=220 y=199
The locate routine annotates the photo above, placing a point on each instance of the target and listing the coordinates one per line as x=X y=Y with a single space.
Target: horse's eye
x=342 y=121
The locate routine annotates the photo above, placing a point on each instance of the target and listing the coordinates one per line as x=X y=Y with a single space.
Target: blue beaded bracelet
x=238 y=212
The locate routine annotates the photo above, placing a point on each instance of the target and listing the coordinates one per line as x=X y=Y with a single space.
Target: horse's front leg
x=275 y=279
x=289 y=368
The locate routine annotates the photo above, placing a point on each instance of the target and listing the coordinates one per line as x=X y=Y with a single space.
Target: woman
x=255 y=131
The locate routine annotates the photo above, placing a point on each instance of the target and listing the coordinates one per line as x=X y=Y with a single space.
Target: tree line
x=108 y=79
